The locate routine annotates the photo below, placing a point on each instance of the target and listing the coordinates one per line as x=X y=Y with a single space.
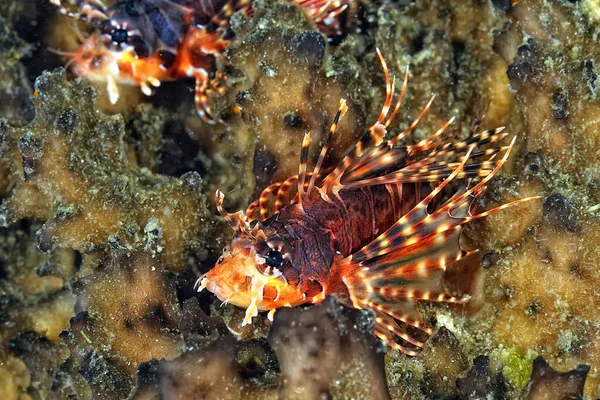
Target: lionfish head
x=94 y=61
x=251 y=273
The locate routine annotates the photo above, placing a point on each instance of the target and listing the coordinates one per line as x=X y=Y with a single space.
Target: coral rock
x=547 y=384
x=328 y=350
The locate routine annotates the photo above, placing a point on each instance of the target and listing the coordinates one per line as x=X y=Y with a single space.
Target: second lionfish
x=146 y=42
x=377 y=231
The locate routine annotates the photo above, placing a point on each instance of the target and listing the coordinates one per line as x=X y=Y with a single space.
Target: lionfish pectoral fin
x=392 y=276
x=251 y=311
x=406 y=263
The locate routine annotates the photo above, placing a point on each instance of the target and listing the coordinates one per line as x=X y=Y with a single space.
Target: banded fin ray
x=277 y=196
x=407 y=262
x=220 y=21
x=373 y=161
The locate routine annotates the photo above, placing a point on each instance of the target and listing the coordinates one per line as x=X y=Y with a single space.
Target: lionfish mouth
x=237 y=280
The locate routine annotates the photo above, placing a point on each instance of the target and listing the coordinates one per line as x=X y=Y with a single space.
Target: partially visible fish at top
x=146 y=42
x=377 y=231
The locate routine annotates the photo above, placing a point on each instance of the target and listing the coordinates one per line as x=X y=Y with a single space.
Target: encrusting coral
x=546 y=383
x=327 y=353
x=290 y=86
x=76 y=158
x=545 y=282
x=74 y=161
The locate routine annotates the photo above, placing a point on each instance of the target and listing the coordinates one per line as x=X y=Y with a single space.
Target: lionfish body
x=375 y=231
x=146 y=42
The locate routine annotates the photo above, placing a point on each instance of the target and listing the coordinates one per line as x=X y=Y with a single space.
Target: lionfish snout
x=94 y=61
x=237 y=279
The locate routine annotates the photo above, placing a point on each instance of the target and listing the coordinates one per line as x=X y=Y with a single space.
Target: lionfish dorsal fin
x=384 y=165
x=273 y=199
x=303 y=165
x=317 y=170
x=375 y=162
x=429 y=160
x=277 y=196
x=374 y=135
x=322 y=10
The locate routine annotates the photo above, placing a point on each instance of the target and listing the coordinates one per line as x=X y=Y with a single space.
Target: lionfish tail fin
x=406 y=263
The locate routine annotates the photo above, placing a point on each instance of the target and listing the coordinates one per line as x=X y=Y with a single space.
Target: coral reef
x=304 y=338
x=290 y=87
x=545 y=281
x=106 y=223
x=76 y=160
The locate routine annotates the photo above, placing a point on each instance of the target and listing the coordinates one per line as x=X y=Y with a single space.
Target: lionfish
x=146 y=42
x=377 y=231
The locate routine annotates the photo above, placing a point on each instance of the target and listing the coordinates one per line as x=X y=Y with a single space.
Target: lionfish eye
x=274 y=259
x=119 y=36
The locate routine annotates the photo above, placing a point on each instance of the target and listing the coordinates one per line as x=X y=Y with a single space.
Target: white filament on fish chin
x=257 y=288
x=251 y=311
x=147 y=90
x=112 y=89
x=201 y=284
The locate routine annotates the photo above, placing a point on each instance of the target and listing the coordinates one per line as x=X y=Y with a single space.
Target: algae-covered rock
x=111 y=230
x=76 y=159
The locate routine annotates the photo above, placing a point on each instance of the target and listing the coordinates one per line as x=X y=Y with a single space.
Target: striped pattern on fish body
x=375 y=231
x=321 y=229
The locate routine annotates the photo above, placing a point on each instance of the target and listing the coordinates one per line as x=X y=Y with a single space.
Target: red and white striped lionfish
x=146 y=42
x=375 y=231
